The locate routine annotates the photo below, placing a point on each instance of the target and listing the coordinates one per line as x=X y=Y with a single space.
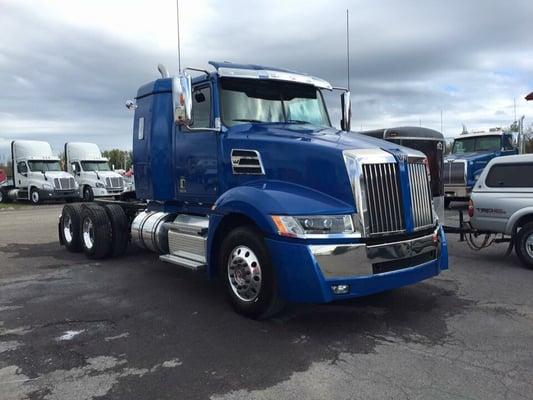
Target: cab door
x=196 y=168
x=21 y=175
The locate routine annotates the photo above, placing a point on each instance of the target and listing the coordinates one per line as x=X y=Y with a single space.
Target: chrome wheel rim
x=244 y=273
x=35 y=196
x=88 y=233
x=67 y=228
x=529 y=245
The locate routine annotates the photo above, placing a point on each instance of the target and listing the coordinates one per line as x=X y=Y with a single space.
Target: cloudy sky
x=67 y=67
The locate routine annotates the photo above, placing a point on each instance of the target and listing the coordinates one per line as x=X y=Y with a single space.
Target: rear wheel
x=119 y=229
x=524 y=245
x=88 y=194
x=248 y=274
x=69 y=227
x=96 y=233
x=35 y=197
x=4 y=198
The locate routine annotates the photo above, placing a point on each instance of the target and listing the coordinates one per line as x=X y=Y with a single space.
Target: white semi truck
x=32 y=172
x=91 y=171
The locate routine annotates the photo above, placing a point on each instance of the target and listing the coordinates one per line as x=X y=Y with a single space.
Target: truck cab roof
x=405 y=132
x=226 y=69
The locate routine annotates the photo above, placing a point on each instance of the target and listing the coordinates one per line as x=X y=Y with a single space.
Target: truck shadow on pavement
x=142 y=312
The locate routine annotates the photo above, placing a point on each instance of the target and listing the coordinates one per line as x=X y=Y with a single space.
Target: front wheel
x=35 y=197
x=524 y=245
x=248 y=274
x=88 y=194
x=3 y=196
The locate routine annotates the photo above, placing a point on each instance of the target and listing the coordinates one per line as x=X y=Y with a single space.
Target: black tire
x=119 y=229
x=35 y=196
x=523 y=250
x=4 y=198
x=70 y=226
x=447 y=203
x=267 y=301
x=95 y=231
x=88 y=194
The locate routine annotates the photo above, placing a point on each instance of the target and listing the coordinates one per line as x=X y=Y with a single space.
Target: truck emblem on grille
x=402 y=157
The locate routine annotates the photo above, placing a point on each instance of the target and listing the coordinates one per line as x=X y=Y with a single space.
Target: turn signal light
x=340 y=289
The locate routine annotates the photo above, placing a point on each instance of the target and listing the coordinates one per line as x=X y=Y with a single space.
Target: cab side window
x=201 y=107
x=510 y=176
x=22 y=168
x=76 y=167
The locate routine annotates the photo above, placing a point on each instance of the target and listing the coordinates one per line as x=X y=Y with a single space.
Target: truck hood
x=106 y=174
x=476 y=156
x=324 y=136
x=302 y=154
x=52 y=174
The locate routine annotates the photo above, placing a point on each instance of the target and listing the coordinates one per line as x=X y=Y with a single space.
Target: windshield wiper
x=248 y=120
x=297 y=121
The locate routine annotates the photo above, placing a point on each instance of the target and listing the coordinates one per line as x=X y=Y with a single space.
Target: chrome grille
x=454 y=173
x=383 y=198
x=114 y=183
x=64 y=183
x=420 y=195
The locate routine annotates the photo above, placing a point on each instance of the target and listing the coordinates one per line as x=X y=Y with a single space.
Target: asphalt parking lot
x=137 y=328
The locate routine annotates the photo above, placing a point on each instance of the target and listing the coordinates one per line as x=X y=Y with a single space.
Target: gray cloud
x=410 y=60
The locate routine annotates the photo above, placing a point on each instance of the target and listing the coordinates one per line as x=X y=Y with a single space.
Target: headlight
x=307 y=226
x=100 y=185
x=76 y=186
x=48 y=186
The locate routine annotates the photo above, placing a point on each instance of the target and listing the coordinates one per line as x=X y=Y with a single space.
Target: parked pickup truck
x=470 y=154
x=246 y=179
x=502 y=202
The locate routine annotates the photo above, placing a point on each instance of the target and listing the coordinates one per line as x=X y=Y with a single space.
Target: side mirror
x=73 y=167
x=346 y=107
x=182 y=99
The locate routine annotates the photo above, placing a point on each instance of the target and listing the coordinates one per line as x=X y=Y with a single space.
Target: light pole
x=529 y=97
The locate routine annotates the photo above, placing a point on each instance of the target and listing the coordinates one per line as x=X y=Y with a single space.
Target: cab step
x=187 y=237
x=183 y=262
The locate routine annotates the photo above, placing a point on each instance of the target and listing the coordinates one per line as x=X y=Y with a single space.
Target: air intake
x=246 y=162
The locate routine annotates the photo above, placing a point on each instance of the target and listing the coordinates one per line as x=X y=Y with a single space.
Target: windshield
x=95 y=166
x=473 y=144
x=48 y=165
x=248 y=100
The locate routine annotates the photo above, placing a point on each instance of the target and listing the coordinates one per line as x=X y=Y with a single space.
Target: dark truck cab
x=471 y=152
x=428 y=141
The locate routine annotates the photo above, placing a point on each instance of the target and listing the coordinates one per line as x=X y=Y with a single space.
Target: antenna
x=178 y=29
x=348 y=46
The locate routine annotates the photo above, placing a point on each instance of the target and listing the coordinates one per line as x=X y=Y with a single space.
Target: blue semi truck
x=242 y=176
x=471 y=152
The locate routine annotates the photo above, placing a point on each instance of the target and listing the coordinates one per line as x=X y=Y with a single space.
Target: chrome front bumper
x=352 y=260
x=456 y=191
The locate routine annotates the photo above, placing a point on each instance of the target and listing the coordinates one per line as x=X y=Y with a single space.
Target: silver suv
x=502 y=202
